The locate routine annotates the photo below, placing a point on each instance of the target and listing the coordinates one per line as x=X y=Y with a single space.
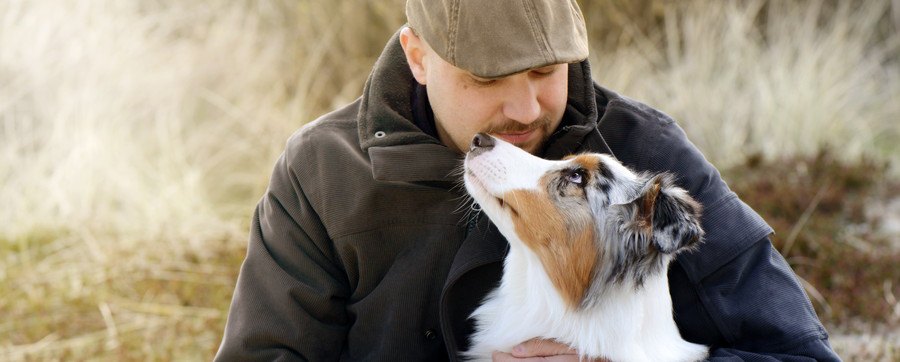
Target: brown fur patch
x=645 y=212
x=563 y=240
x=586 y=161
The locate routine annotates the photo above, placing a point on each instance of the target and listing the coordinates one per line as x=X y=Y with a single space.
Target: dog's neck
x=624 y=315
x=525 y=279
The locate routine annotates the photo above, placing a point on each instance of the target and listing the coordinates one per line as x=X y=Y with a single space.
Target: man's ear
x=415 y=49
x=668 y=214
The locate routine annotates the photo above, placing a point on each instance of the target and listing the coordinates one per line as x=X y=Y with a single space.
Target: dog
x=590 y=242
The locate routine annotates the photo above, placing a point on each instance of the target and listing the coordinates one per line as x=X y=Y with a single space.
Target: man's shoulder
x=647 y=139
x=636 y=111
x=336 y=131
x=636 y=132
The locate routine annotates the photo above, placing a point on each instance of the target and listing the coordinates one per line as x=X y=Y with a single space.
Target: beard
x=542 y=124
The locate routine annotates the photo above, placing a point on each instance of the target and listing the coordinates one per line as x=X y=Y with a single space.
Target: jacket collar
x=400 y=151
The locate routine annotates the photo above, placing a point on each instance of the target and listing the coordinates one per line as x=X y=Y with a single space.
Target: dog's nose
x=481 y=142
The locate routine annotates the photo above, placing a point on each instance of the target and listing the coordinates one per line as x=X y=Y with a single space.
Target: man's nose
x=481 y=143
x=521 y=103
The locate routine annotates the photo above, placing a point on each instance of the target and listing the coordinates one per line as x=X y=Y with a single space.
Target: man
x=359 y=249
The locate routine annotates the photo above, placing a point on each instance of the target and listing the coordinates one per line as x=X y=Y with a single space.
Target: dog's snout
x=480 y=143
x=483 y=140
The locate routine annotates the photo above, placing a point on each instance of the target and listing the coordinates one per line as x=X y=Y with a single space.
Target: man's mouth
x=516 y=138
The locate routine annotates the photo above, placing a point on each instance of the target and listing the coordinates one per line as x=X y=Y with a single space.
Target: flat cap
x=496 y=38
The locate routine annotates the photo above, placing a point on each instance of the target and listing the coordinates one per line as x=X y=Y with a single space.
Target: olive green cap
x=496 y=38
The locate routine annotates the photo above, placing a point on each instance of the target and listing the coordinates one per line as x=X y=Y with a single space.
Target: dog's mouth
x=484 y=195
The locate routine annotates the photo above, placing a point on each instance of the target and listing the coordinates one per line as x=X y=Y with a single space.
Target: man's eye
x=483 y=82
x=543 y=72
x=576 y=177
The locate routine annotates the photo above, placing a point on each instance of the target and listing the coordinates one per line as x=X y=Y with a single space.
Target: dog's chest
x=619 y=325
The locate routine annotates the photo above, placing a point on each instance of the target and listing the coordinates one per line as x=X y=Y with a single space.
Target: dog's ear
x=668 y=214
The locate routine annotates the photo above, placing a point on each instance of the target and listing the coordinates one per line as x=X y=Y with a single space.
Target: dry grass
x=777 y=78
x=832 y=225
x=136 y=136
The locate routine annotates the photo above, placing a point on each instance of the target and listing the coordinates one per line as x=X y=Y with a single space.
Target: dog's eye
x=576 y=177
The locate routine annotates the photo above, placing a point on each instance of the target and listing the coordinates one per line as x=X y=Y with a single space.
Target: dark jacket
x=361 y=248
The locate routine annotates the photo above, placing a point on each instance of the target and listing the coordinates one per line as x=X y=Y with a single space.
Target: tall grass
x=136 y=136
x=776 y=78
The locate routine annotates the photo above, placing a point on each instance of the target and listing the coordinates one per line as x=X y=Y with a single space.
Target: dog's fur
x=590 y=244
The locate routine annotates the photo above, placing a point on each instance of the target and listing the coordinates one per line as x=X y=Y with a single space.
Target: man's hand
x=539 y=350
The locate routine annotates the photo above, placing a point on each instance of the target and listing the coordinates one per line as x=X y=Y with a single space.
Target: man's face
x=523 y=108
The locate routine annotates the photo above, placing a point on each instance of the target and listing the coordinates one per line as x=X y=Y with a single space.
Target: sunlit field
x=137 y=136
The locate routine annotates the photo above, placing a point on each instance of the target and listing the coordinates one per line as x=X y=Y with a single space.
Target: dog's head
x=590 y=221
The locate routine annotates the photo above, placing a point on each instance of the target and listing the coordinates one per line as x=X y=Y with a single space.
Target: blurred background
x=136 y=137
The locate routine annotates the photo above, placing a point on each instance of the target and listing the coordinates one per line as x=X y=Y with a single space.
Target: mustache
x=510 y=126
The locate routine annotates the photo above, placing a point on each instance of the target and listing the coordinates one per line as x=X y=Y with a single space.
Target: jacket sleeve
x=751 y=309
x=289 y=302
